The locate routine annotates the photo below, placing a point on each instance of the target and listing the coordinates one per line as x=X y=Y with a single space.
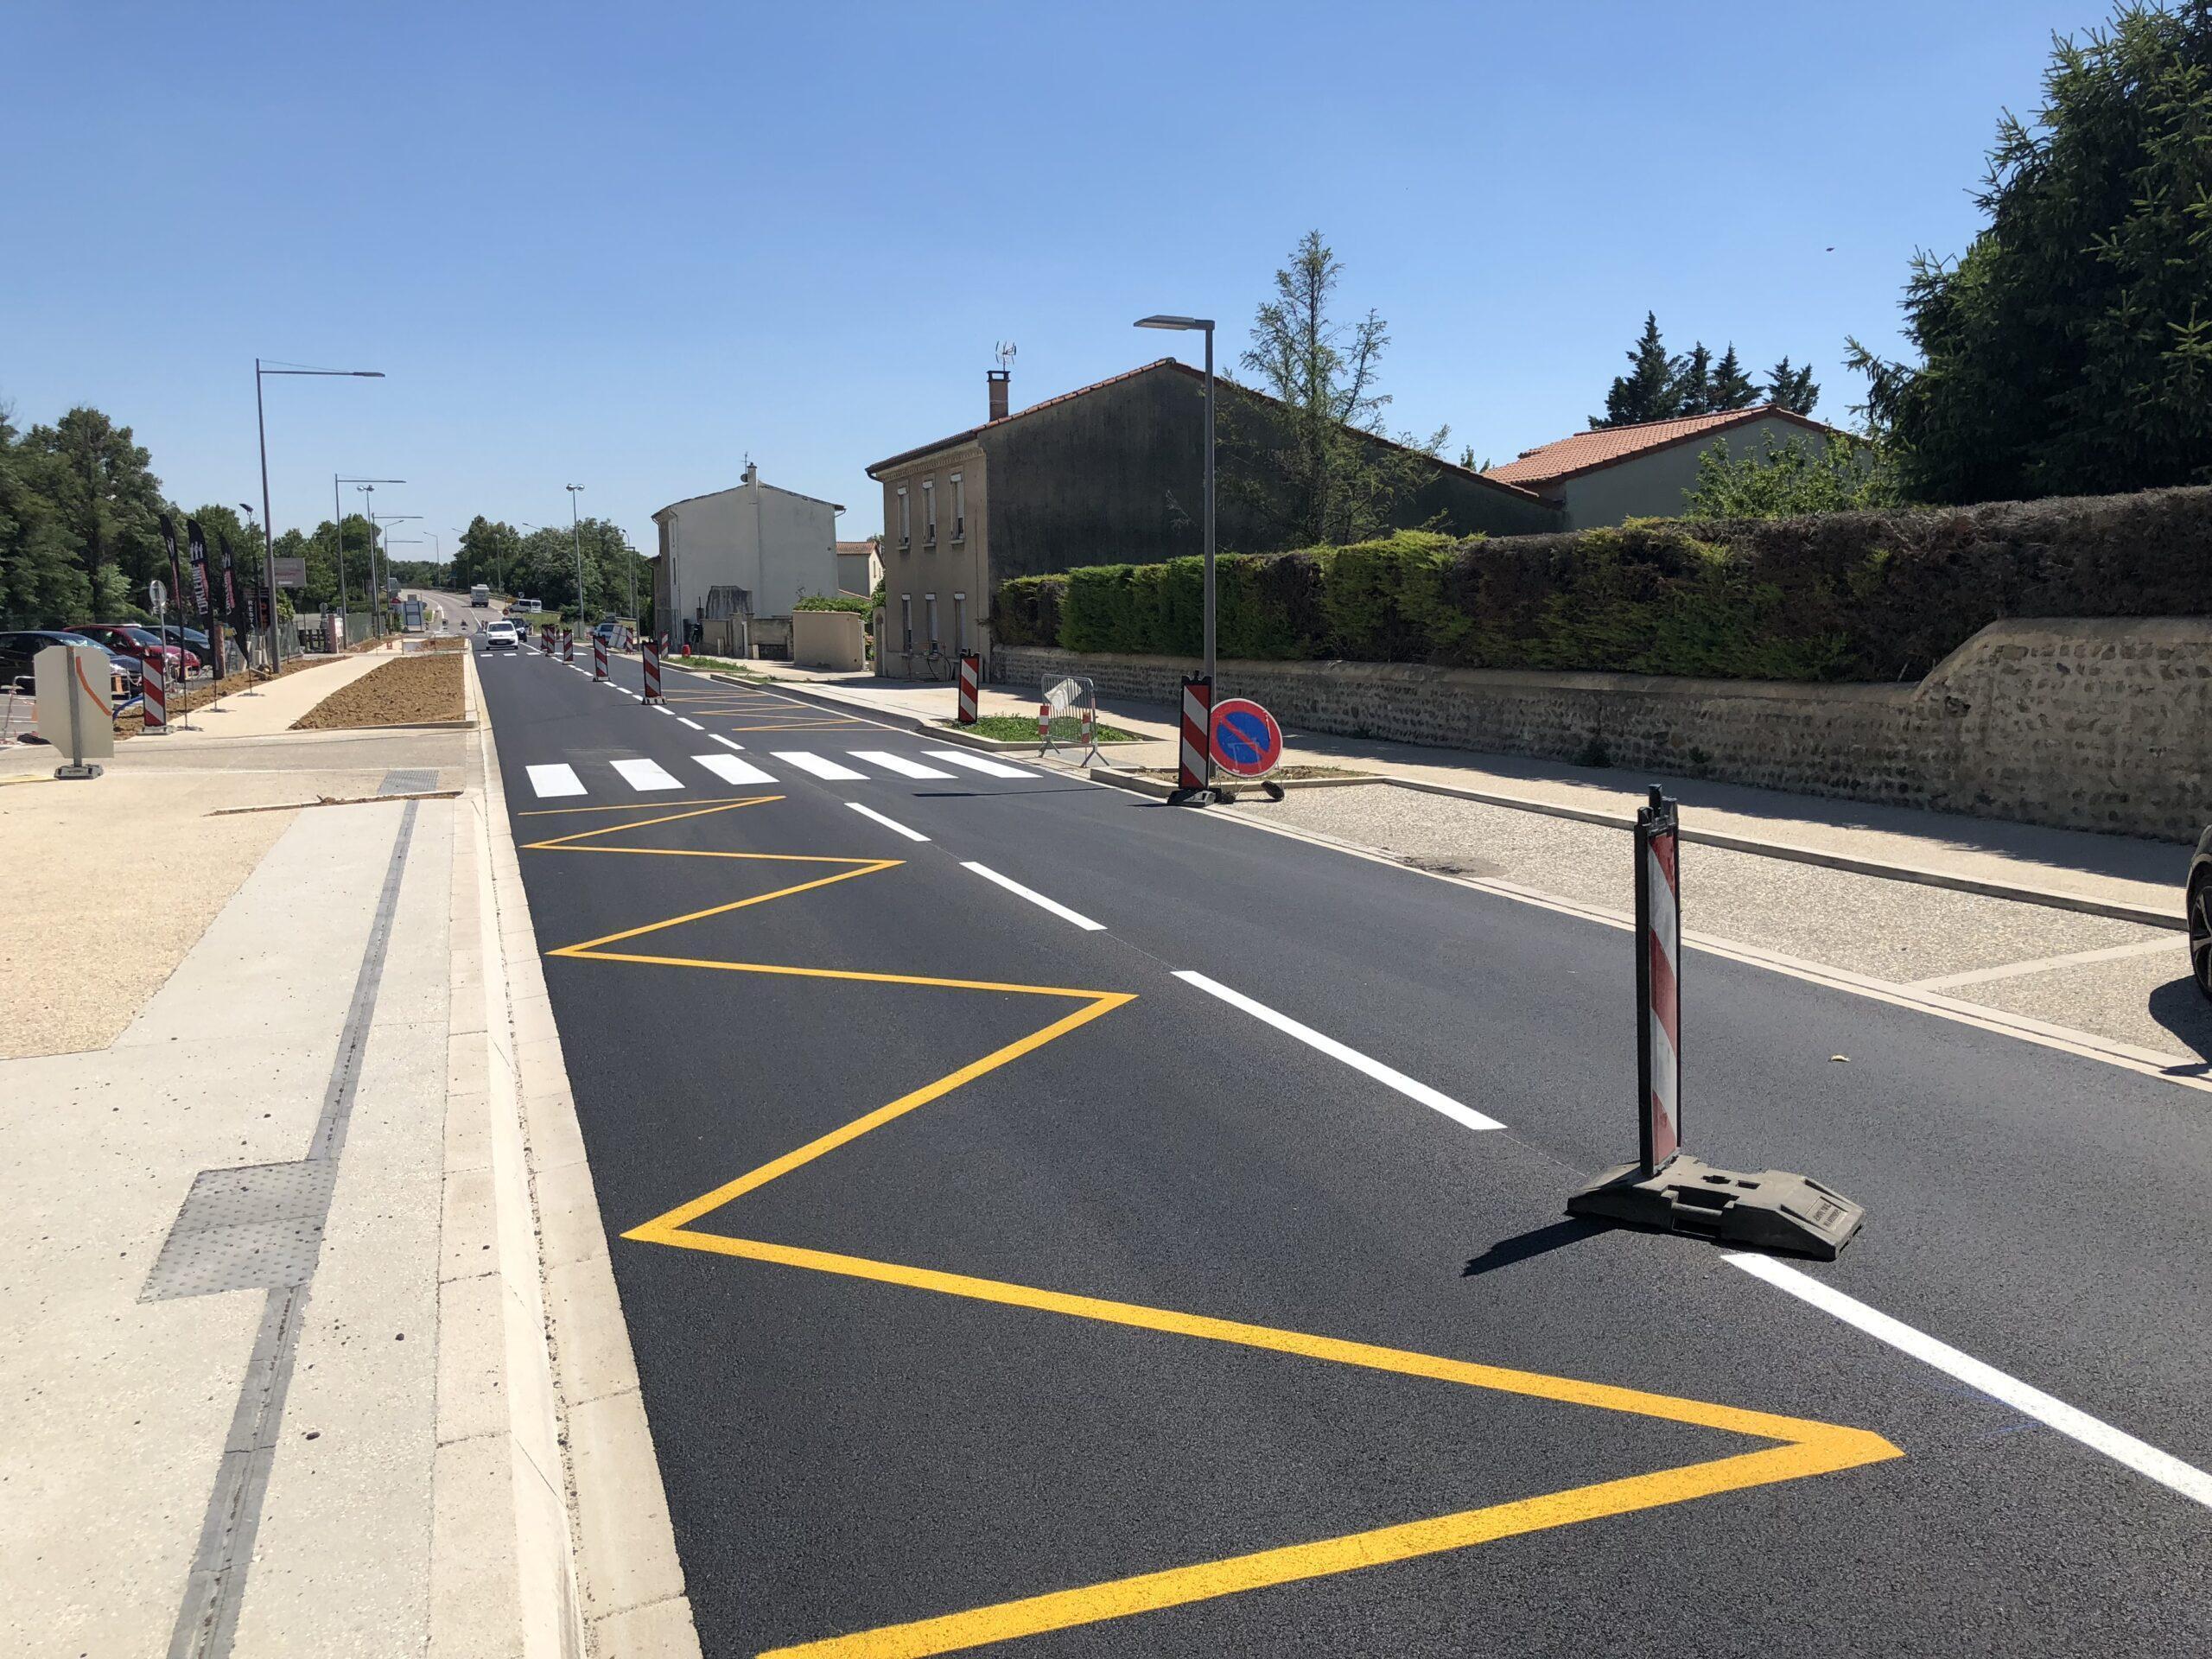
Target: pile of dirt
x=407 y=691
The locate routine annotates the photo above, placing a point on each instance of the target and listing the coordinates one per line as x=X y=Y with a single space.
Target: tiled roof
x=1181 y=367
x=1586 y=452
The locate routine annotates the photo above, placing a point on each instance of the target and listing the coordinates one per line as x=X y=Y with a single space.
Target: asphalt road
x=992 y=1282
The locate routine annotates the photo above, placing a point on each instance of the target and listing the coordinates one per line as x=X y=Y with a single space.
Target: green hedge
x=1847 y=595
x=853 y=602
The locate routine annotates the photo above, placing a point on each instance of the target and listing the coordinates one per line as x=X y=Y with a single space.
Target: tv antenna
x=1006 y=355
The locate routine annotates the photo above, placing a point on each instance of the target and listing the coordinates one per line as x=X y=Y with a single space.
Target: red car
x=133 y=641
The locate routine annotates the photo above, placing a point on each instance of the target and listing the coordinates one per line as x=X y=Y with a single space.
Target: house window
x=929 y=513
x=905 y=529
x=959 y=507
x=906 y=618
x=960 y=620
x=929 y=599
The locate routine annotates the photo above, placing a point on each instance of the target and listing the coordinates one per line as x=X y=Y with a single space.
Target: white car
x=502 y=636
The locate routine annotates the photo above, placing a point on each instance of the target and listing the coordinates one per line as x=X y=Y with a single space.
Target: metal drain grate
x=408 y=780
x=256 y=1227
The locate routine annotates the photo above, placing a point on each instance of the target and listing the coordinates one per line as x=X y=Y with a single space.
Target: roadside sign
x=157 y=595
x=74 y=714
x=1247 y=742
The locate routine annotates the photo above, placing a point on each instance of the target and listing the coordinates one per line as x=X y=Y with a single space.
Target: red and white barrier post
x=545 y=637
x=653 y=671
x=1194 y=760
x=1658 y=978
x=598 y=658
x=153 y=692
x=971 y=686
x=1666 y=1189
x=568 y=645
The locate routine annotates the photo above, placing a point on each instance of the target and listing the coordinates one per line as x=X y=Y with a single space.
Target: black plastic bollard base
x=1773 y=1210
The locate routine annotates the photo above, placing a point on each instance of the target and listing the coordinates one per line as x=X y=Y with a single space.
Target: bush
x=853 y=602
x=1027 y=611
x=1873 y=595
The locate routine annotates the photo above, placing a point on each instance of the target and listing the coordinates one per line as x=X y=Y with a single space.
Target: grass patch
x=1022 y=728
x=715 y=664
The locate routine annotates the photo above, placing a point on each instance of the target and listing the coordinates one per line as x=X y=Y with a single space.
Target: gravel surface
x=408 y=690
x=1890 y=930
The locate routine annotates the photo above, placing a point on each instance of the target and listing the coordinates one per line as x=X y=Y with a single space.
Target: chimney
x=752 y=473
x=998 y=377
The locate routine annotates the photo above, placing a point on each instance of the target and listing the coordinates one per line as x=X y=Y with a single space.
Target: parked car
x=2200 y=913
x=502 y=636
x=19 y=653
x=129 y=639
x=190 y=638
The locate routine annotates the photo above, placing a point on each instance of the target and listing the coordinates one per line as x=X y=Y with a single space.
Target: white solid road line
x=549 y=781
x=897 y=763
x=1038 y=899
x=1435 y=1100
x=2121 y=1447
x=818 y=766
x=687 y=720
x=731 y=770
x=724 y=741
x=646 y=774
x=888 y=823
x=978 y=763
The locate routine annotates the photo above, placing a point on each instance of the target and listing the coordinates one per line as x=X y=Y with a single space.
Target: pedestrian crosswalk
x=638 y=775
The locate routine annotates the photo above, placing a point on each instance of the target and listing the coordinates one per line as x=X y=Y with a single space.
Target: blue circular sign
x=1247 y=742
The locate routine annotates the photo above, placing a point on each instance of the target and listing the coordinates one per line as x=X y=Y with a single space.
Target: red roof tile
x=1586 y=452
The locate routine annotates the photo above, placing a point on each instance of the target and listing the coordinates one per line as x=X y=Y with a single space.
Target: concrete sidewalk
x=2064 y=864
x=284 y=1379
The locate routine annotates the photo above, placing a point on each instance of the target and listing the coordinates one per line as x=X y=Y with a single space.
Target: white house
x=740 y=558
x=1614 y=472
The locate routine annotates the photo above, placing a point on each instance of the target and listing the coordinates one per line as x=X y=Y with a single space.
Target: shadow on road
x=2184 y=1010
x=1541 y=1241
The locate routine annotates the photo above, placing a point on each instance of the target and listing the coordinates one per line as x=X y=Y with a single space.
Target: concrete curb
x=551 y=1532
x=1159 y=789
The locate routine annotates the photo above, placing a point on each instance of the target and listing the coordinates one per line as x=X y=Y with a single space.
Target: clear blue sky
x=626 y=246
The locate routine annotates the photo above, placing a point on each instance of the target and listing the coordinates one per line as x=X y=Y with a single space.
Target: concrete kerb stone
x=594 y=1558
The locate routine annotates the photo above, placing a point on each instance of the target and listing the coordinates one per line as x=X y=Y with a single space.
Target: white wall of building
x=1650 y=486
x=776 y=544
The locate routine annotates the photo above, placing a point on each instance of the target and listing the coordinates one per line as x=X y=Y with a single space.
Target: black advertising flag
x=176 y=577
x=197 y=540
x=230 y=582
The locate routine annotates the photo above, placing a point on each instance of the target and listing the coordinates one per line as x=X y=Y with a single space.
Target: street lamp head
x=1175 y=322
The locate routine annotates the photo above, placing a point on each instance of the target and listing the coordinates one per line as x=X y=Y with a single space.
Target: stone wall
x=2097 y=724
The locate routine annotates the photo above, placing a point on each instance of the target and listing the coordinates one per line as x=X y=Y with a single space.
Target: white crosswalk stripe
x=983 y=764
x=818 y=766
x=731 y=770
x=647 y=774
x=897 y=763
x=549 y=781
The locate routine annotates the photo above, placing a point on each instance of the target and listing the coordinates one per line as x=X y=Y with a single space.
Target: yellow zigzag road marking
x=1801 y=1447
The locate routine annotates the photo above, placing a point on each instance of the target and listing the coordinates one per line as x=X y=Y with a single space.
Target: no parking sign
x=1247 y=742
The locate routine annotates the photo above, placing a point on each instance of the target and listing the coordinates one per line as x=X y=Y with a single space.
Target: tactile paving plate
x=256 y=1227
x=408 y=780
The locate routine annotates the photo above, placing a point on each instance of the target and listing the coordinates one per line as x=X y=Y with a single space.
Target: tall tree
x=1647 y=390
x=1693 y=382
x=103 y=487
x=2070 y=348
x=1313 y=465
x=1792 y=389
x=1731 y=387
x=41 y=580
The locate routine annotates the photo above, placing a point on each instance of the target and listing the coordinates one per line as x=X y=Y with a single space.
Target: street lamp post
x=576 y=535
x=376 y=583
x=268 y=525
x=338 y=524
x=1206 y=325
